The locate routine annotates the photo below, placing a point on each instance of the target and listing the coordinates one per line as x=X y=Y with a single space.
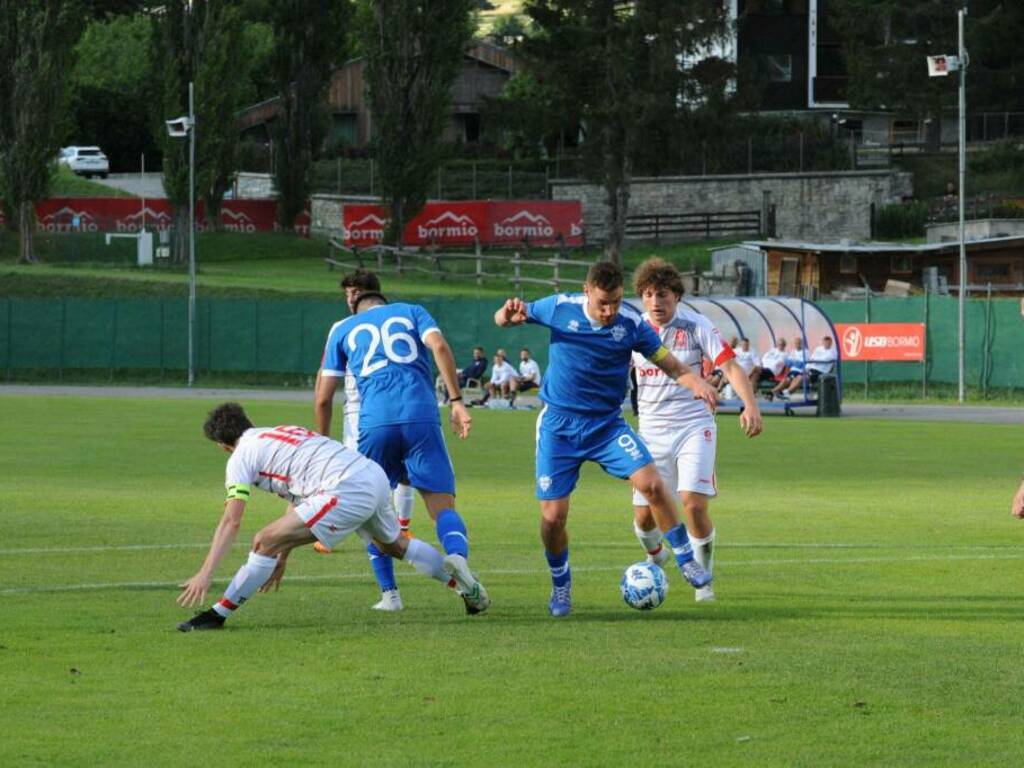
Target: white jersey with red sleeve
x=289 y=461
x=691 y=337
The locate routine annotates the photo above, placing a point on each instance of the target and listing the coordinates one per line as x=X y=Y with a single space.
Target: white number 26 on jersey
x=384 y=336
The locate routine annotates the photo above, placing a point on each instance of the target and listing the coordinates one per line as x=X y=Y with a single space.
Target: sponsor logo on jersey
x=574 y=325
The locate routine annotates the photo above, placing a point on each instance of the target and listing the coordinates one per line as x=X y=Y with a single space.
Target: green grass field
x=869 y=609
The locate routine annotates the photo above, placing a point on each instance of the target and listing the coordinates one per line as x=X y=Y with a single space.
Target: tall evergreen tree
x=309 y=41
x=624 y=69
x=36 y=41
x=414 y=50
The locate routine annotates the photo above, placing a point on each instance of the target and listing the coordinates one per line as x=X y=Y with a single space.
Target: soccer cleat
x=208 y=619
x=322 y=549
x=704 y=595
x=467 y=585
x=406 y=534
x=390 y=600
x=561 y=600
x=661 y=558
x=694 y=573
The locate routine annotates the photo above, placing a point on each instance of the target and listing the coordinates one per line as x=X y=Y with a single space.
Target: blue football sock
x=383 y=568
x=680 y=543
x=451 y=532
x=559 y=565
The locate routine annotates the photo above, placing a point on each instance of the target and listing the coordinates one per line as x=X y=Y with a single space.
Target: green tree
x=309 y=41
x=414 y=51
x=36 y=42
x=633 y=72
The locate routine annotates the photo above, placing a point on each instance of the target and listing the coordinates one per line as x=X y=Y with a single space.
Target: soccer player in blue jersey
x=593 y=336
x=385 y=346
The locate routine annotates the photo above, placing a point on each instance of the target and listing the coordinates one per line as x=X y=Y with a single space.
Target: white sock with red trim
x=404 y=500
x=704 y=550
x=426 y=560
x=649 y=540
x=249 y=578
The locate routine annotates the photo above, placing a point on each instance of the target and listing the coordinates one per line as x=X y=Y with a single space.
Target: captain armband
x=239 y=491
x=660 y=355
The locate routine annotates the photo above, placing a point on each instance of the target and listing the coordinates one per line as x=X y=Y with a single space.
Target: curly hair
x=657 y=273
x=226 y=423
x=363 y=279
x=605 y=275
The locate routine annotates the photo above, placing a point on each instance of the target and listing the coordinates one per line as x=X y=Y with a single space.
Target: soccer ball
x=644 y=586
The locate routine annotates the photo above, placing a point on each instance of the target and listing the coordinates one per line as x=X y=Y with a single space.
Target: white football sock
x=649 y=540
x=425 y=559
x=704 y=550
x=249 y=578
x=405 y=497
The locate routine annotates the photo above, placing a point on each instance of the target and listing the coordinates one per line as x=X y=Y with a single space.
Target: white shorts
x=350 y=431
x=684 y=456
x=359 y=502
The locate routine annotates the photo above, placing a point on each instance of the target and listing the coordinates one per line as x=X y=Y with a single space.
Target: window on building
x=848 y=264
x=900 y=265
x=344 y=129
x=779 y=67
x=992 y=272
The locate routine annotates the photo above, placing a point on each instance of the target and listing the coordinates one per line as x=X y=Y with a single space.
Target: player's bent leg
x=648 y=482
x=702 y=537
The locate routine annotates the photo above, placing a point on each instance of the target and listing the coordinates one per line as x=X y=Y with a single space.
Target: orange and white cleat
x=322 y=549
x=407 y=534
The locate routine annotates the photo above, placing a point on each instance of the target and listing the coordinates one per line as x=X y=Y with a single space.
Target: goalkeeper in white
x=679 y=430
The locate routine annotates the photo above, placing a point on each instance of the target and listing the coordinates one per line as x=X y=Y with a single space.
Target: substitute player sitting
x=679 y=431
x=593 y=337
x=331 y=491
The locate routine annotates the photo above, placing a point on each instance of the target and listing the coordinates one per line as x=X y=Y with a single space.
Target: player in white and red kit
x=680 y=431
x=331 y=491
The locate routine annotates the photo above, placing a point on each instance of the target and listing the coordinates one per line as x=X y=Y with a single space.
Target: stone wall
x=325 y=211
x=822 y=207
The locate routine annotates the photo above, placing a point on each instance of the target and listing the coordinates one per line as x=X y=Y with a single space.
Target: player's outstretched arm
x=1018 y=503
x=323 y=402
x=193 y=591
x=750 y=419
x=512 y=312
x=444 y=359
x=685 y=376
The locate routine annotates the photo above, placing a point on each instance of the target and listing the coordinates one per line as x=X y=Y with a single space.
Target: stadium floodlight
x=941 y=66
x=181 y=128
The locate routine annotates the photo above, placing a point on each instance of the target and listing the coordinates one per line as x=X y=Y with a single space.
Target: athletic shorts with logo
x=684 y=456
x=565 y=440
x=413 y=454
x=359 y=501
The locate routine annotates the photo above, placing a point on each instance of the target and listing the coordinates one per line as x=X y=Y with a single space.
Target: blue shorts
x=413 y=454
x=565 y=440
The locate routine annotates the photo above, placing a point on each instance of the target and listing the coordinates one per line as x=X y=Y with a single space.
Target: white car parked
x=85 y=161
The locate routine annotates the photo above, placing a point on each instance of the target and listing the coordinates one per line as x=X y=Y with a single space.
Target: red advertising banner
x=126 y=214
x=539 y=222
x=882 y=341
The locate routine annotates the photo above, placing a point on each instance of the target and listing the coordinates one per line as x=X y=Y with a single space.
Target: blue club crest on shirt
x=618 y=333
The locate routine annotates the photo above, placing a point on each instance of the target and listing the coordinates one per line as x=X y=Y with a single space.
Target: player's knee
x=651 y=488
x=396 y=548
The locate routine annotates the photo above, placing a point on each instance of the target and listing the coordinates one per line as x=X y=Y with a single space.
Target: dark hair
x=657 y=273
x=605 y=275
x=226 y=423
x=363 y=279
x=375 y=295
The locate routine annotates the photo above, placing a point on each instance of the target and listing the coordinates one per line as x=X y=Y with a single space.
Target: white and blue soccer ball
x=644 y=586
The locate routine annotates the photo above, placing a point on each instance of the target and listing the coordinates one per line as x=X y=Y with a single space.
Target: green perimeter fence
x=286 y=337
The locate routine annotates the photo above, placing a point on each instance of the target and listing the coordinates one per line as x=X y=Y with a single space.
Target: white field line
x=603 y=545
x=519 y=572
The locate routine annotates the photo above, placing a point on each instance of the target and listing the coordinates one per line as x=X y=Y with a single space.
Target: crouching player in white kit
x=679 y=431
x=332 y=491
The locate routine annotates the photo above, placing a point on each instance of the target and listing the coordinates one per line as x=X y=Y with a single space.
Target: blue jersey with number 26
x=383 y=348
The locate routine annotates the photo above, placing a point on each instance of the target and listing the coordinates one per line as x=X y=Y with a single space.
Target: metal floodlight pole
x=962 y=152
x=191 y=236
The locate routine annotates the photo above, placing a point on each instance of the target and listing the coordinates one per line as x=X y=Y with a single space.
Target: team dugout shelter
x=763 y=321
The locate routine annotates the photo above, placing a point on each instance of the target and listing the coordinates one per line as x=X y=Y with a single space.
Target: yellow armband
x=239 y=491
x=660 y=355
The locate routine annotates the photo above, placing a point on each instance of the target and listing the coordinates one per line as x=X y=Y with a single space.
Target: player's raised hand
x=513 y=312
x=751 y=421
x=193 y=591
x=460 y=419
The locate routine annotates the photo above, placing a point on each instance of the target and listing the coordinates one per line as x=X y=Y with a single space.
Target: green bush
x=901 y=220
